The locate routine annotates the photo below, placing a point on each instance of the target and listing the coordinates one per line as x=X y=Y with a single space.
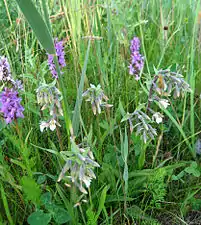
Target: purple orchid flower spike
x=10 y=105
x=60 y=55
x=137 y=61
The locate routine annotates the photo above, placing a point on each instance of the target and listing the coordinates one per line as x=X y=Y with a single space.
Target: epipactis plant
x=143 y=123
x=97 y=98
x=80 y=164
x=167 y=82
x=49 y=97
x=163 y=84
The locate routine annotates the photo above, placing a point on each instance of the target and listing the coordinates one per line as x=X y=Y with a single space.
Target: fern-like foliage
x=157 y=187
x=91 y=217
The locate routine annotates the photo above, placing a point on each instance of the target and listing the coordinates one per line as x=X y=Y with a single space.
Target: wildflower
x=96 y=97
x=5 y=73
x=164 y=103
x=158 y=117
x=168 y=82
x=80 y=162
x=137 y=61
x=60 y=55
x=142 y=124
x=135 y=44
x=43 y=125
x=49 y=97
x=52 y=66
x=51 y=124
x=10 y=105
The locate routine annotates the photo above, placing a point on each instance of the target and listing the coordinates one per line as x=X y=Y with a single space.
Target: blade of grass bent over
x=37 y=24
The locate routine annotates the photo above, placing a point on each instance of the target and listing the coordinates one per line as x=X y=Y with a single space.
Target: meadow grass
x=157 y=182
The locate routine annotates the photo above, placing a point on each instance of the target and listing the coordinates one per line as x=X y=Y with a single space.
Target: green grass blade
x=37 y=24
x=192 y=74
x=101 y=202
x=46 y=14
x=76 y=115
x=6 y=207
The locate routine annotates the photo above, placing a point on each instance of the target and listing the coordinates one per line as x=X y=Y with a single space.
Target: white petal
x=157 y=117
x=52 y=125
x=164 y=103
x=43 y=125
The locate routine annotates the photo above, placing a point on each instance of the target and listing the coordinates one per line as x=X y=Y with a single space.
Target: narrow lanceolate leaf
x=37 y=24
x=125 y=156
x=76 y=115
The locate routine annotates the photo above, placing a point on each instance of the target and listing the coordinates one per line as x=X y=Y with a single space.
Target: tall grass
x=136 y=183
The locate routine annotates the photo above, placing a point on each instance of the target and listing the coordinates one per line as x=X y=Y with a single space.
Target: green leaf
x=31 y=189
x=179 y=176
x=192 y=169
x=101 y=202
x=76 y=114
x=5 y=204
x=39 y=217
x=194 y=165
x=41 y=179
x=37 y=24
x=126 y=117
x=121 y=109
x=17 y=162
x=141 y=159
x=196 y=173
x=61 y=215
x=125 y=151
x=125 y=176
x=46 y=198
x=125 y=156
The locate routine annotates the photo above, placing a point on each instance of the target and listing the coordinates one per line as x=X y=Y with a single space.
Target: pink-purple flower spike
x=60 y=55
x=10 y=105
x=137 y=61
x=5 y=73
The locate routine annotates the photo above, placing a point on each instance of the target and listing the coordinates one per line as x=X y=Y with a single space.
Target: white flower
x=52 y=124
x=164 y=103
x=43 y=125
x=87 y=181
x=158 y=117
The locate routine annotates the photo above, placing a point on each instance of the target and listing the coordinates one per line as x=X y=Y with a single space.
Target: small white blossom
x=43 y=125
x=52 y=124
x=158 y=117
x=164 y=103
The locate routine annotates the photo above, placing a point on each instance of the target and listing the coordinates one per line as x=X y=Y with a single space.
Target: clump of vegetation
x=93 y=129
